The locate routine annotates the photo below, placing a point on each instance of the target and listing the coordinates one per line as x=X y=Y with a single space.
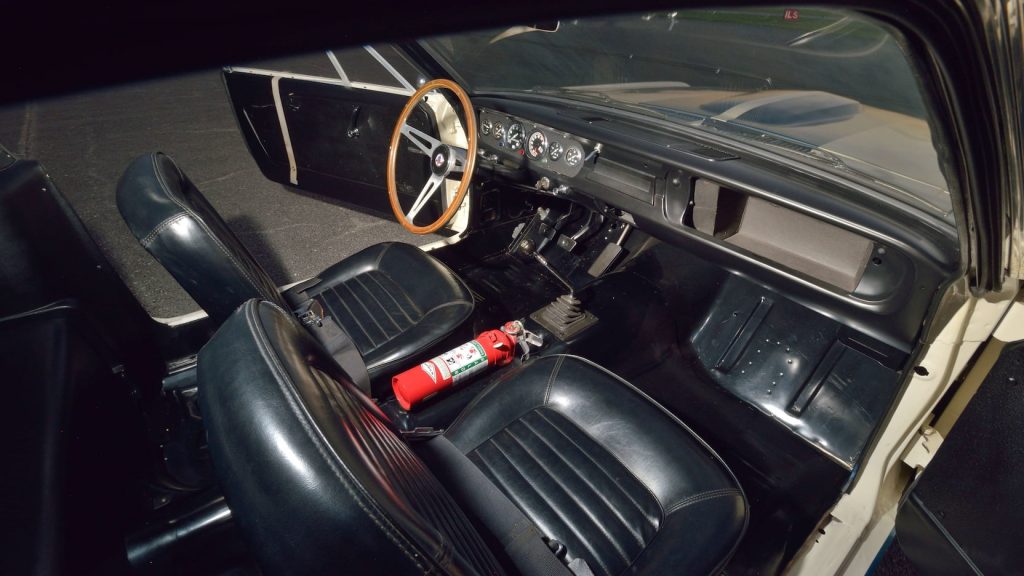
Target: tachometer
x=555 y=150
x=573 y=156
x=537 y=145
x=515 y=136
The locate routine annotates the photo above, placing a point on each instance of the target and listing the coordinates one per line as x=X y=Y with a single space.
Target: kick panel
x=826 y=383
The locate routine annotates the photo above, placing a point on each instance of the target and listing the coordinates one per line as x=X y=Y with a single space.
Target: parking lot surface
x=86 y=141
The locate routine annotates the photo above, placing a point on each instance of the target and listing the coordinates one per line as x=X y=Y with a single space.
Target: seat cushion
x=394 y=301
x=320 y=481
x=603 y=469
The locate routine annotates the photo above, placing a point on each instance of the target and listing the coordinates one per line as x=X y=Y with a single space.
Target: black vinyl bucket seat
x=391 y=300
x=321 y=482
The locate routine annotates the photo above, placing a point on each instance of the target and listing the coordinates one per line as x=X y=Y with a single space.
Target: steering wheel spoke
x=445 y=160
x=459 y=159
x=433 y=183
x=423 y=141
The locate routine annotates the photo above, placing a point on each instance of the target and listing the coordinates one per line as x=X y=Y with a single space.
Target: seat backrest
x=178 y=226
x=314 y=472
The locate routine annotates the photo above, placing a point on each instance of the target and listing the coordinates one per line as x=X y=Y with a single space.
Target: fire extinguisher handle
x=529 y=341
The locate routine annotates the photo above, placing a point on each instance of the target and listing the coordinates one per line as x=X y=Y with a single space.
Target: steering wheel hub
x=441 y=165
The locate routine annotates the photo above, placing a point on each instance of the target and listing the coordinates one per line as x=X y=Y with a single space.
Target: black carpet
x=895 y=563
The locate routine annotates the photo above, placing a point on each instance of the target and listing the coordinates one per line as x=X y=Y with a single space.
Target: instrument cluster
x=544 y=147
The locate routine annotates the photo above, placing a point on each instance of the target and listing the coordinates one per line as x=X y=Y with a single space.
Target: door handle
x=353 y=125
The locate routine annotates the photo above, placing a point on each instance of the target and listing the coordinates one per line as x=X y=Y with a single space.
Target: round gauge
x=499 y=132
x=536 y=145
x=555 y=150
x=515 y=136
x=573 y=156
x=486 y=126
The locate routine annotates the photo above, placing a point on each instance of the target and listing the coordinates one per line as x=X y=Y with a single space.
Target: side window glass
x=316 y=64
x=379 y=65
x=383 y=65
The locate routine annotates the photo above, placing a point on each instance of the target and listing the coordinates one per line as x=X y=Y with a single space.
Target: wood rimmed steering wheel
x=445 y=160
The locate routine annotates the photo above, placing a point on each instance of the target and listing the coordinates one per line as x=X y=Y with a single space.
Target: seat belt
x=518 y=535
x=338 y=343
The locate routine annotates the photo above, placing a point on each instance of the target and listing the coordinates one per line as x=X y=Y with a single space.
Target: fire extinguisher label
x=428 y=367
x=464 y=361
x=446 y=374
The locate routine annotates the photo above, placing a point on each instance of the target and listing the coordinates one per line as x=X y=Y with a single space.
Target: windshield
x=827 y=84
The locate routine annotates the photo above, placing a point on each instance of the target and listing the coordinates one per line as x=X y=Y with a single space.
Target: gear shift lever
x=565 y=317
x=544 y=262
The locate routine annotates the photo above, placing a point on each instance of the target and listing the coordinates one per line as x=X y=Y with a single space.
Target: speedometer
x=536 y=145
x=514 y=138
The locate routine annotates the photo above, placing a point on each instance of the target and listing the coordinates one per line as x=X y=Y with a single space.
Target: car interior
x=708 y=328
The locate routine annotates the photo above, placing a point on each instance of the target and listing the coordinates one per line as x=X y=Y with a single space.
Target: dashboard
x=753 y=214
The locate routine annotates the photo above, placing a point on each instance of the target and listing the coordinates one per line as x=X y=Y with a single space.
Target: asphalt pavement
x=86 y=141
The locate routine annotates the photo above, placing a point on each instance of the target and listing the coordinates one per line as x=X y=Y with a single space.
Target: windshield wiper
x=754 y=134
x=774 y=140
x=670 y=113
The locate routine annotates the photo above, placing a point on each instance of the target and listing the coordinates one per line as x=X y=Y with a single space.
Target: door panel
x=335 y=131
x=340 y=139
x=253 y=102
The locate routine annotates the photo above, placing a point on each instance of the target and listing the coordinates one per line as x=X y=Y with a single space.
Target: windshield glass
x=827 y=84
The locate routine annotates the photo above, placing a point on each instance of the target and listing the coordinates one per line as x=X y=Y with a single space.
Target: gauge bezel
x=578 y=160
x=543 y=146
x=552 y=154
x=517 y=127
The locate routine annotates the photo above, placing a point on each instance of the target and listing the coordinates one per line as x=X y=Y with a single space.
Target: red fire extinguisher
x=491 y=348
